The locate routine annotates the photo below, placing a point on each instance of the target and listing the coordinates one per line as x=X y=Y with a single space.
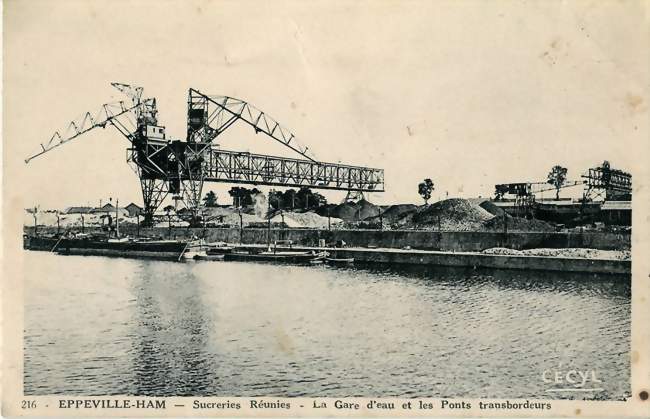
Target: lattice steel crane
x=607 y=183
x=178 y=167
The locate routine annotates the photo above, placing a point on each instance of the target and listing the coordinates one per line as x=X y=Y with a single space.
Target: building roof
x=105 y=208
x=131 y=205
x=108 y=208
x=78 y=210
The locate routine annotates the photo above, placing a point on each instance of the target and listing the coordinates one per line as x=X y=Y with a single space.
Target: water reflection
x=617 y=285
x=170 y=332
x=242 y=329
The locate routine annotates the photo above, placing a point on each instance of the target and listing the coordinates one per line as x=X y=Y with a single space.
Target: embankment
x=541 y=263
x=456 y=241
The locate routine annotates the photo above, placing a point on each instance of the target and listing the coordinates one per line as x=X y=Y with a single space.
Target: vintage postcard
x=326 y=208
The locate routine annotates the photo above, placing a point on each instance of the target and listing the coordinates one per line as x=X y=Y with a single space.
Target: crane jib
x=167 y=166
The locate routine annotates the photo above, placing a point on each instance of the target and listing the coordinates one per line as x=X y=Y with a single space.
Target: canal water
x=112 y=326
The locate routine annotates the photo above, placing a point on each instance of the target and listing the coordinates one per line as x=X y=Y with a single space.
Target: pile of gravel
x=351 y=211
x=572 y=252
x=393 y=213
x=492 y=209
x=305 y=220
x=450 y=214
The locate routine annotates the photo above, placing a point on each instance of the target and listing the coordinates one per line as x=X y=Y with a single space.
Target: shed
x=133 y=209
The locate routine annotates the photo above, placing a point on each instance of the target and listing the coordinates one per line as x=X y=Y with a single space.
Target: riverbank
x=594 y=265
x=516 y=250
x=477 y=260
x=453 y=241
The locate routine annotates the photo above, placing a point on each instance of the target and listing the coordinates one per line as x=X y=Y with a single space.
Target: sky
x=467 y=93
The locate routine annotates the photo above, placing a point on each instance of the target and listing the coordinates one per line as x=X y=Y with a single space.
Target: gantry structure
x=181 y=167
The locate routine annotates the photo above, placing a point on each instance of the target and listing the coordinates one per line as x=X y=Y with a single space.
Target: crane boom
x=133 y=92
x=107 y=113
x=166 y=165
x=217 y=113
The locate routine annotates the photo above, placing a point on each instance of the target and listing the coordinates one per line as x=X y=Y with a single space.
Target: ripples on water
x=110 y=326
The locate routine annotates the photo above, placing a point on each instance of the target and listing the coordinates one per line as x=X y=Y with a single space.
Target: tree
x=210 y=199
x=425 y=188
x=276 y=200
x=308 y=199
x=289 y=199
x=242 y=197
x=238 y=196
x=557 y=177
x=304 y=198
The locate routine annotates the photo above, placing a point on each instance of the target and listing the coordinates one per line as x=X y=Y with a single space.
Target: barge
x=279 y=257
x=46 y=243
x=156 y=249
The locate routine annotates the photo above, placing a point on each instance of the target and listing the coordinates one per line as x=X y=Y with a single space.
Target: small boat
x=339 y=261
x=219 y=250
x=280 y=257
x=192 y=251
x=209 y=257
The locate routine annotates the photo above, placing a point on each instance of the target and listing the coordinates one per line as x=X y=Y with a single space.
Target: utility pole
x=169 y=224
x=204 y=233
x=241 y=227
x=117 y=218
x=329 y=221
x=34 y=214
x=82 y=223
x=279 y=203
x=268 y=216
x=137 y=224
x=282 y=225
x=58 y=223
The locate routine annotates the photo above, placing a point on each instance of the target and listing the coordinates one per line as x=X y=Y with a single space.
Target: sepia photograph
x=375 y=208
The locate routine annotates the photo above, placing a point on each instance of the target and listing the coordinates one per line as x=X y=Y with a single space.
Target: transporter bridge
x=181 y=167
x=601 y=183
x=524 y=193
